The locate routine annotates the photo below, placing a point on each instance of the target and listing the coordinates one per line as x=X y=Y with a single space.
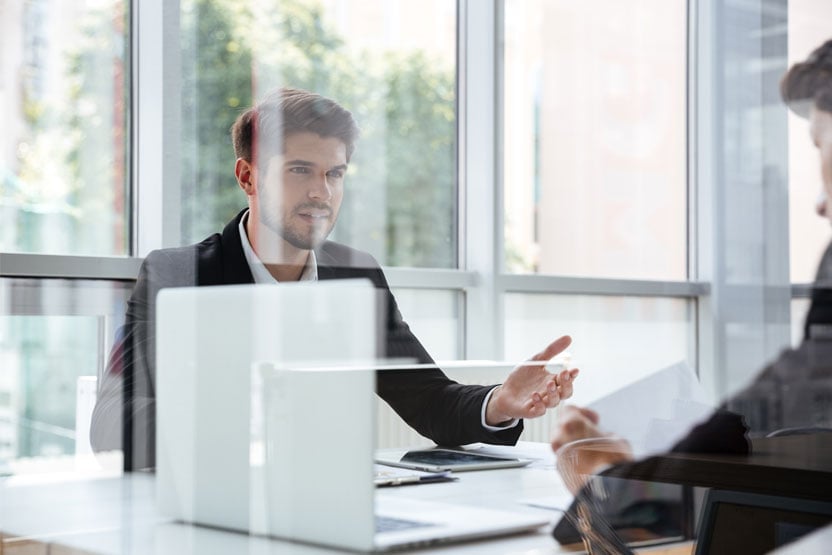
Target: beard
x=300 y=236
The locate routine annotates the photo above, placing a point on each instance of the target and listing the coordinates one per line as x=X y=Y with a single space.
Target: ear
x=246 y=176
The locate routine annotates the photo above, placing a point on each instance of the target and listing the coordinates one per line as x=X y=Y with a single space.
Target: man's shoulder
x=179 y=265
x=174 y=255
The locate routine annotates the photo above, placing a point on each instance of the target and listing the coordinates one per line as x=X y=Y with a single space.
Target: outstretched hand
x=530 y=390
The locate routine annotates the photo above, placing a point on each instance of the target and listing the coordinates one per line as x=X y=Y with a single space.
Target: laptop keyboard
x=390 y=524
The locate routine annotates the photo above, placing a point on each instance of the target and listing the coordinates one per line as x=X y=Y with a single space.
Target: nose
x=320 y=188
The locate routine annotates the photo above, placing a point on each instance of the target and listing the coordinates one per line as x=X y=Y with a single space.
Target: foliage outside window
x=63 y=150
x=400 y=201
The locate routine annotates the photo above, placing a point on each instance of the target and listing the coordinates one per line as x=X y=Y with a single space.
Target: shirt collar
x=259 y=271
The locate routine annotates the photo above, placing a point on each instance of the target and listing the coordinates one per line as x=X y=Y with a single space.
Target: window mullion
x=477 y=175
x=156 y=106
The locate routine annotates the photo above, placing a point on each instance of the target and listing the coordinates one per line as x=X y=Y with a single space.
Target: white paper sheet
x=656 y=411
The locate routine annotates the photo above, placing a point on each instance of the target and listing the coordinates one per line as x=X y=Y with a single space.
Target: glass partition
x=651 y=200
x=594 y=123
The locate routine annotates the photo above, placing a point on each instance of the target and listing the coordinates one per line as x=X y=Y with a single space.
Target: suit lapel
x=235 y=268
x=328 y=268
x=225 y=263
x=221 y=258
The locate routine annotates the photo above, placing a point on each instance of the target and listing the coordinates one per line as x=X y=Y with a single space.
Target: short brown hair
x=261 y=130
x=810 y=82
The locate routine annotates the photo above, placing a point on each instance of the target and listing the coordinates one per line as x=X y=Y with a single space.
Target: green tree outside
x=401 y=195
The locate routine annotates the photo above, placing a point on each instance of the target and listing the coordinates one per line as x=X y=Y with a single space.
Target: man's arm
x=425 y=398
x=126 y=393
x=437 y=407
x=584 y=451
x=452 y=414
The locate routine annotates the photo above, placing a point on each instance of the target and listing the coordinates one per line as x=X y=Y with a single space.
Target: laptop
x=320 y=478
x=206 y=341
x=246 y=446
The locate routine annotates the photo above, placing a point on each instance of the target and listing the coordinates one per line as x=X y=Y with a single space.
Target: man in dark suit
x=292 y=151
x=795 y=389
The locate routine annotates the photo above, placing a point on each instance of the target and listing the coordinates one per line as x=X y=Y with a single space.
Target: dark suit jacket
x=435 y=406
x=819 y=317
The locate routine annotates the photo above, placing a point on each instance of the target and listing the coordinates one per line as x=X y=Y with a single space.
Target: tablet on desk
x=457 y=460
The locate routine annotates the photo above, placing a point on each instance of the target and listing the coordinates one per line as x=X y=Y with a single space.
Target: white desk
x=118 y=516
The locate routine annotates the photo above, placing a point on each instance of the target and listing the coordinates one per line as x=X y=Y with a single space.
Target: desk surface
x=118 y=515
x=791 y=466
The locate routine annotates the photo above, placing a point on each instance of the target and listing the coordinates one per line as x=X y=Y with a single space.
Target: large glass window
x=54 y=339
x=434 y=317
x=64 y=98
x=617 y=340
x=392 y=63
x=594 y=155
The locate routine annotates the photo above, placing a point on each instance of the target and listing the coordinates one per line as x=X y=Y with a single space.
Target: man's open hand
x=530 y=389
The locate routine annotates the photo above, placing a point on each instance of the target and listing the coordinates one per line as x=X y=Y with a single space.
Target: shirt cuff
x=507 y=426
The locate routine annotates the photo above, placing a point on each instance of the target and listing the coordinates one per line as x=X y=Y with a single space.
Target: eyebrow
x=309 y=164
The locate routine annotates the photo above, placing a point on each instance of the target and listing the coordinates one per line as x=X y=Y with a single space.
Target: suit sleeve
x=125 y=409
x=437 y=407
x=619 y=506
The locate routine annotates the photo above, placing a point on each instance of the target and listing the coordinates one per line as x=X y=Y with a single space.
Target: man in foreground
x=807 y=90
x=793 y=394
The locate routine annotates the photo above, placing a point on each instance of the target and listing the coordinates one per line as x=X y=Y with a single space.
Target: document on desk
x=656 y=411
x=386 y=476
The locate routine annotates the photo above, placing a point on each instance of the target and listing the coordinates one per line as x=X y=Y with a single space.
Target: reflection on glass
x=615 y=340
x=53 y=338
x=594 y=138
x=64 y=95
x=391 y=63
